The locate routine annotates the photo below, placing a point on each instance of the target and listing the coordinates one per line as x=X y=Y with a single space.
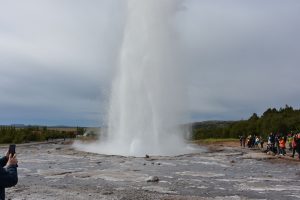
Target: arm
x=8 y=176
x=3 y=161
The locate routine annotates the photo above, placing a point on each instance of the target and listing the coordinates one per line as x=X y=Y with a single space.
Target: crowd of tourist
x=276 y=143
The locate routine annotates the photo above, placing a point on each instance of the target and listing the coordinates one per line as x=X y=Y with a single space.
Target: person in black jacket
x=298 y=145
x=8 y=173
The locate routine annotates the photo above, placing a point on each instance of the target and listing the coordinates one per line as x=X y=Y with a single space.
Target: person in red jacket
x=282 y=146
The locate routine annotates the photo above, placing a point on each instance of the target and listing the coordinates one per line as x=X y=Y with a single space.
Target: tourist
x=249 y=141
x=270 y=144
x=294 y=145
x=241 y=140
x=257 y=142
x=252 y=141
x=261 y=142
x=290 y=141
x=8 y=173
x=282 y=146
x=244 y=141
x=277 y=137
x=298 y=145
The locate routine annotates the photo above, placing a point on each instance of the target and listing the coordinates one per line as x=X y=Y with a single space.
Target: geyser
x=147 y=105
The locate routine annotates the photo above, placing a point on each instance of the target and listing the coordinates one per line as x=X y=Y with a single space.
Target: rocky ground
x=57 y=171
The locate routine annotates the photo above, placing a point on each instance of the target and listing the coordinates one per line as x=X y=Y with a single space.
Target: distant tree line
x=11 y=134
x=283 y=121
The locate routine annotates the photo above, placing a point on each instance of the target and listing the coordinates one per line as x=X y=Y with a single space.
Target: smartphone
x=12 y=149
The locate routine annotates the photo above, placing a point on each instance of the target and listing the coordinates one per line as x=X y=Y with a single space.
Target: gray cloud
x=243 y=56
x=57 y=58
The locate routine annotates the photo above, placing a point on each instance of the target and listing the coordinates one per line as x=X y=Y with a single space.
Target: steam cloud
x=148 y=102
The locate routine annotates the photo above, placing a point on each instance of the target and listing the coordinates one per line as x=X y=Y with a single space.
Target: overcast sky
x=58 y=58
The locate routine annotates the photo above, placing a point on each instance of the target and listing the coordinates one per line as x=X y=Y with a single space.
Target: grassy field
x=216 y=140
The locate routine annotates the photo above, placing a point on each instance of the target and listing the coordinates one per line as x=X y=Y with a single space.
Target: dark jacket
x=8 y=177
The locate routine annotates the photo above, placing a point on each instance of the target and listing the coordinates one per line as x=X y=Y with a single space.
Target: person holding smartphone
x=8 y=172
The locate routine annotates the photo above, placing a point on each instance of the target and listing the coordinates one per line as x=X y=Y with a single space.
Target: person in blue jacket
x=8 y=173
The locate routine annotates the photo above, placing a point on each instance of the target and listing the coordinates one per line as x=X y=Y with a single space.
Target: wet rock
x=270 y=153
x=147 y=156
x=152 y=179
x=107 y=193
x=83 y=176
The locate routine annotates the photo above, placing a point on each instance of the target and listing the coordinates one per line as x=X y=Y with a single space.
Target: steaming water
x=148 y=103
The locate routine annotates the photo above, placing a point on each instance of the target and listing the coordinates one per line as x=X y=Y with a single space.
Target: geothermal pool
x=57 y=171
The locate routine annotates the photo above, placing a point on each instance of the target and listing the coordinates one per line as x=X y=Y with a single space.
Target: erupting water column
x=147 y=101
x=148 y=104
